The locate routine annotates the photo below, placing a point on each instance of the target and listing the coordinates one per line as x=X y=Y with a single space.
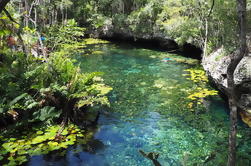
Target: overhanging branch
x=9 y=16
x=210 y=12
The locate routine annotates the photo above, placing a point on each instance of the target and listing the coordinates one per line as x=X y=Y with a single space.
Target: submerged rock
x=216 y=65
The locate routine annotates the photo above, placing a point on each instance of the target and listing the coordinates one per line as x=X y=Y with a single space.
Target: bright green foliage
x=12 y=82
x=15 y=151
x=58 y=80
x=45 y=91
x=60 y=36
x=69 y=83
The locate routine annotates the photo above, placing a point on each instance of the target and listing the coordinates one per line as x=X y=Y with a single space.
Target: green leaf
x=32 y=105
x=40 y=132
x=38 y=139
x=1 y=110
x=21 y=159
x=46 y=113
x=14 y=101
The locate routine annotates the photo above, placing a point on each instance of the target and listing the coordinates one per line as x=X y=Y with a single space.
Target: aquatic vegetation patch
x=177 y=59
x=70 y=49
x=15 y=151
x=97 y=52
x=90 y=41
x=132 y=71
x=197 y=75
x=188 y=61
x=200 y=90
x=94 y=47
x=200 y=94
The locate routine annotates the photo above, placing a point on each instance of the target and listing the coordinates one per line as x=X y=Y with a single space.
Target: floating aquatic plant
x=15 y=151
x=90 y=41
x=97 y=52
x=197 y=75
x=201 y=89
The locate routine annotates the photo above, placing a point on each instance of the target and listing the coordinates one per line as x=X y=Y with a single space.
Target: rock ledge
x=216 y=65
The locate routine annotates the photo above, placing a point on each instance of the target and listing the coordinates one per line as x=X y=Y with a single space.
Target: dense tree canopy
x=183 y=21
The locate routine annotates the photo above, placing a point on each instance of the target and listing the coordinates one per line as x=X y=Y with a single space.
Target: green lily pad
x=65 y=132
x=21 y=159
x=40 y=132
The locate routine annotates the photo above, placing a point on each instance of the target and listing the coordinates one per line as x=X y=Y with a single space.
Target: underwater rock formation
x=216 y=65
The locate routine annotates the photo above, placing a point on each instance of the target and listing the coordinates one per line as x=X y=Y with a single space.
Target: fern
x=45 y=113
x=43 y=91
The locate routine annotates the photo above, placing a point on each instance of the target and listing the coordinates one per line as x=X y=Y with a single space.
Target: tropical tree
x=235 y=60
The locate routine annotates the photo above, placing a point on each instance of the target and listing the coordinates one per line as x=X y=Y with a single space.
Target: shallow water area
x=148 y=112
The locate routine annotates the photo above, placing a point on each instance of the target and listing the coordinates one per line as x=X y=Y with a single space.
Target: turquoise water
x=148 y=112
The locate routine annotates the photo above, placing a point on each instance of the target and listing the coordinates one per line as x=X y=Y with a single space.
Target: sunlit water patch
x=149 y=112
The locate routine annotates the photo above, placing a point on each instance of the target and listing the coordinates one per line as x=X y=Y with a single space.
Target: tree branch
x=9 y=16
x=210 y=12
x=3 y=3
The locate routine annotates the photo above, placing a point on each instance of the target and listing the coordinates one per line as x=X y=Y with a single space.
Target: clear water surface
x=148 y=113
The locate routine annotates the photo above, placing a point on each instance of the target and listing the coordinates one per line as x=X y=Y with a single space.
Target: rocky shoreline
x=216 y=65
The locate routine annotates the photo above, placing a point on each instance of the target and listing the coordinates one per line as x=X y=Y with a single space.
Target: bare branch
x=210 y=12
x=9 y=16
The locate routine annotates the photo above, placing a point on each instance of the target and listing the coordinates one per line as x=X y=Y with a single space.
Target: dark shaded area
x=1 y=57
x=93 y=146
x=191 y=51
x=3 y=3
x=156 y=43
x=151 y=156
x=223 y=94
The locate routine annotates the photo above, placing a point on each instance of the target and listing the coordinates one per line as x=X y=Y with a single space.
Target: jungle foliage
x=47 y=88
x=183 y=21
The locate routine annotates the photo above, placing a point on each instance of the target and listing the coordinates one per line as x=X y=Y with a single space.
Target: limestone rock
x=216 y=65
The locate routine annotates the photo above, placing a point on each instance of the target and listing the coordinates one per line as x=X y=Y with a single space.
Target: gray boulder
x=216 y=65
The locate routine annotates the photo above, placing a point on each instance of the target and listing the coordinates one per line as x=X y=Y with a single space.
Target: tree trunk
x=56 y=16
x=65 y=15
x=235 y=60
x=206 y=29
x=35 y=15
x=233 y=132
x=26 y=10
x=62 y=13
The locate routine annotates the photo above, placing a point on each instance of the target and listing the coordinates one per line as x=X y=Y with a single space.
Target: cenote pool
x=149 y=112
